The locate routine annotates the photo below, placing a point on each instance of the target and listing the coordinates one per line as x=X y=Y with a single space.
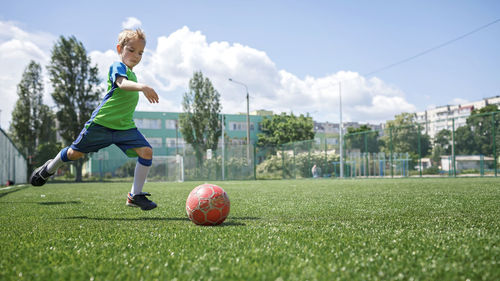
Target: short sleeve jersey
x=117 y=108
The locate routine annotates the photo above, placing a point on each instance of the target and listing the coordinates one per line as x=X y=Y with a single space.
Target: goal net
x=167 y=168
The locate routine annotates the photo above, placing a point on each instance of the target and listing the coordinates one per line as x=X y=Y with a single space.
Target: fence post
x=419 y=151
x=494 y=143
x=453 y=147
x=282 y=162
x=255 y=161
x=390 y=145
x=294 y=164
x=309 y=160
x=366 y=157
x=326 y=159
x=481 y=165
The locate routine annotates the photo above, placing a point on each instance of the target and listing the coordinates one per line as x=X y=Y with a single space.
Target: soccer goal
x=169 y=168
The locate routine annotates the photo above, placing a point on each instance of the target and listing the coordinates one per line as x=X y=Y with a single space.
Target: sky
x=291 y=54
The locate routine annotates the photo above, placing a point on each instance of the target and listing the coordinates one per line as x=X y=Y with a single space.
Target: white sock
x=141 y=172
x=55 y=164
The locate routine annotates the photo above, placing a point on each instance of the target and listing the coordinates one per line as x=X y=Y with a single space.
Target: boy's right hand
x=150 y=94
x=125 y=84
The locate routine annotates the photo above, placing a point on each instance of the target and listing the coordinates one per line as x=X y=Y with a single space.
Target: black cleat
x=140 y=200
x=40 y=175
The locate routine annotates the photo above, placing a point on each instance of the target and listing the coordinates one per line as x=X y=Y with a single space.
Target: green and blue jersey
x=117 y=108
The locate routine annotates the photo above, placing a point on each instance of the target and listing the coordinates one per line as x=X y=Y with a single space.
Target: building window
x=171 y=142
x=155 y=142
x=148 y=123
x=170 y=124
x=238 y=141
x=240 y=126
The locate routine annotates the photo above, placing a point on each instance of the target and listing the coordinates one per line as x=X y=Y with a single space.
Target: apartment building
x=442 y=117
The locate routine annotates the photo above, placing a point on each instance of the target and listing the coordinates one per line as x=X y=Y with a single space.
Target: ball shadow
x=236 y=221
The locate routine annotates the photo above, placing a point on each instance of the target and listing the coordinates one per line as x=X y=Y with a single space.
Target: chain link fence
x=447 y=147
x=13 y=164
x=461 y=146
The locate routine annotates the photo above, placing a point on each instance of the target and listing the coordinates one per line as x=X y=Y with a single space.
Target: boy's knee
x=74 y=155
x=145 y=152
x=145 y=156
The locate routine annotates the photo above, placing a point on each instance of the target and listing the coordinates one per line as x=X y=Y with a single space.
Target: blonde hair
x=128 y=34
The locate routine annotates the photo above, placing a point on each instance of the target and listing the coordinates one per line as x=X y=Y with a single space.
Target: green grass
x=401 y=229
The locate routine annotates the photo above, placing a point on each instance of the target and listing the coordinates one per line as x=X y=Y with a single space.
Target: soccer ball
x=207 y=204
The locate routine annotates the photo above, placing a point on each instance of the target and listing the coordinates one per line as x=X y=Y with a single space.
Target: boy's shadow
x=46 y=203
x=123 y=219
x=16 y=189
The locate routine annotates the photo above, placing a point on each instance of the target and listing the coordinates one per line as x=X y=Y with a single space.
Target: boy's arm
x=127 y=85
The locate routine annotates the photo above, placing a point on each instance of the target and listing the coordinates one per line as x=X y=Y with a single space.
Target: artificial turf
x=374 y=229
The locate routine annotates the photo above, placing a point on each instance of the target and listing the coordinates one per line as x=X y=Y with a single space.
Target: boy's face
x=131 y=53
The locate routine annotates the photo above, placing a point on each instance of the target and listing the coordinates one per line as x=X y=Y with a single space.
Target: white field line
x=10 y=187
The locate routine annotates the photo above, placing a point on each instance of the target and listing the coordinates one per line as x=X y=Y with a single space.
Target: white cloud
x=170 y=64
x=17 y=48
x=103 y=61
x=131 y=23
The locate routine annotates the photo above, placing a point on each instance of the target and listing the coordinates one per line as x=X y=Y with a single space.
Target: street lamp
x=248 y=118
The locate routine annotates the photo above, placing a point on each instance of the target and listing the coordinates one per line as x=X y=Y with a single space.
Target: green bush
x=296 y=167
x=434 y=170
x=126 y=170
x=469 y=171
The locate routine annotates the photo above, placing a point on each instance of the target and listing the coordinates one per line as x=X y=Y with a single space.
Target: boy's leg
x=92 y=138
x=40 y=176
x=140 y=174
x=137 y=198
x=134 y=144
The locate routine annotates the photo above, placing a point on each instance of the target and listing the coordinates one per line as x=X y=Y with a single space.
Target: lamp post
x=248 y=118
x=341 y=135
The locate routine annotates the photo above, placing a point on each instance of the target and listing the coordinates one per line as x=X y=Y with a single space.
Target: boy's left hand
x=150 y=94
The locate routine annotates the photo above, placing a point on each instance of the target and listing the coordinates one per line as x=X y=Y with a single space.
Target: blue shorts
x=94 y=137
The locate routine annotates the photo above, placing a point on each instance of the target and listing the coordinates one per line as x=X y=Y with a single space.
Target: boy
x=112 y=121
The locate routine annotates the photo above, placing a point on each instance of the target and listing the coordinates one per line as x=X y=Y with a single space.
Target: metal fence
x=461 y=146
x=13 y=165
x=227 y=162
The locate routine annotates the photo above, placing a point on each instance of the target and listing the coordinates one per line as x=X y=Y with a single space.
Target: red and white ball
x=207 y=204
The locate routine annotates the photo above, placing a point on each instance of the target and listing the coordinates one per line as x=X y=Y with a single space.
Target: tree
x=283 y=128
x=442 y=146
x=76 y=91
x=464 y=141
x=443 y=140
x=32 y=121
x=200 y=124
x=362 y=138
x=476 y=137
x=481 y=124
x=406 y=137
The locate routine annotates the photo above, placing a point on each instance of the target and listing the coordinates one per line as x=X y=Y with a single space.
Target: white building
x=442 y=117
x=330 y=131
x=466 y=162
